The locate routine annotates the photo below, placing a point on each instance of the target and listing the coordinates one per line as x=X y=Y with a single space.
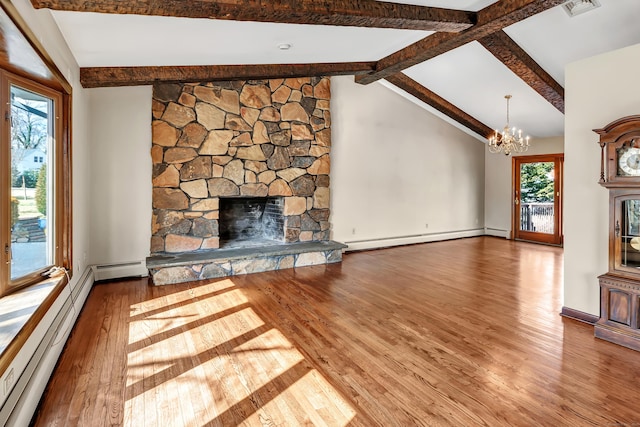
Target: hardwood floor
x=460 y=333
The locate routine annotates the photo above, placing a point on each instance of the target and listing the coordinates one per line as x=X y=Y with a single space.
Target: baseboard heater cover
x=31 y=357
x=42 y=351
x=81 y=290
x=497 y=232
x=357 y=245
x=120 y=270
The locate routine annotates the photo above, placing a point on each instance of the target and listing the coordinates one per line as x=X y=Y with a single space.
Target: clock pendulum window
x=620 y=286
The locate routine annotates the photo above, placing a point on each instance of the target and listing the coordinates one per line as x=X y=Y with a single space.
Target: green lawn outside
x=26 y=207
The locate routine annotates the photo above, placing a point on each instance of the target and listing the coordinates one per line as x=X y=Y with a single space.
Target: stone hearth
x=187 y=267
x=214 y=142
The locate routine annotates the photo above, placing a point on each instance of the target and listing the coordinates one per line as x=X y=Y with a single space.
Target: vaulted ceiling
x=455 y=57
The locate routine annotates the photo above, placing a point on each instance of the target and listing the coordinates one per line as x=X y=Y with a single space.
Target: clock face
x=629 y=162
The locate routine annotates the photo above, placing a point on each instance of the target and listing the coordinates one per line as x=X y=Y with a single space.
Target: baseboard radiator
x=34 y=363
x=358 y=245
x=497 y=232
x=120 y=270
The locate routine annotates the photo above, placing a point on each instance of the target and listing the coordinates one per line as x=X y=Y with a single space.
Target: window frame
x=61 y=199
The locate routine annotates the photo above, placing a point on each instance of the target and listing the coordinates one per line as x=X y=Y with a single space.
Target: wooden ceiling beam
x=521 y=64
x=135 y=76
x=491 y=19
x=414 y=88
x=354 y=13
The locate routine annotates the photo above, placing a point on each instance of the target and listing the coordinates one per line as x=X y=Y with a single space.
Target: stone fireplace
x=240 y=169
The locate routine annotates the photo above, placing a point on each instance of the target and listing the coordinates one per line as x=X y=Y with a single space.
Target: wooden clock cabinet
x=620 y=286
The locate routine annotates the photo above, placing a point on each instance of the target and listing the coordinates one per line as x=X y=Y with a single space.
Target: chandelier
x=507 y=141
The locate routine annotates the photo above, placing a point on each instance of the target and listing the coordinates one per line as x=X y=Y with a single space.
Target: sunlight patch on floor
x=209 y=340
x=184 y=344
x=321 y=404
x=160 y=318
x=179 y=297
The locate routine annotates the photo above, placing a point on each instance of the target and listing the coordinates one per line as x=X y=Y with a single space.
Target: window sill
x=20 y=313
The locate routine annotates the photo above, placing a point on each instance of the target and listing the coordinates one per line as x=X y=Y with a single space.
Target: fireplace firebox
x=251 y=221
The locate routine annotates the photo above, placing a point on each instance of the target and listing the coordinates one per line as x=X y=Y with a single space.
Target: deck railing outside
x=538 y=217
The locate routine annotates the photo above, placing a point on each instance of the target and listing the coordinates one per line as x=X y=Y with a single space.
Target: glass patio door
x=537 y=204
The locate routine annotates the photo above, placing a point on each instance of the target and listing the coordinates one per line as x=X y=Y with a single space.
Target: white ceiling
x=158 y=40
x=553 y=39
x=468 y=77
x=473 y=79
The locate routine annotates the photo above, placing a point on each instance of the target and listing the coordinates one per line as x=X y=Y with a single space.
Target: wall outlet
x=426 y=226
x=8 y=381
x=353 y=231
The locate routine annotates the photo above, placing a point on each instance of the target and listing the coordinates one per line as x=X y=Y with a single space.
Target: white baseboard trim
x=120 y=270
x=358 y=245
x=497 y=232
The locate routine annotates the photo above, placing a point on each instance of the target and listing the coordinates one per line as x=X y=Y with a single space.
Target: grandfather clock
x=620 y=286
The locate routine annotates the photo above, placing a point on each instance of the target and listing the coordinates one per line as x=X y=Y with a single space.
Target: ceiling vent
x=576 y=7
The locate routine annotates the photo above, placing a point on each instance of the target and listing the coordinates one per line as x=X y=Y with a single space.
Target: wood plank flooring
x=456 y=333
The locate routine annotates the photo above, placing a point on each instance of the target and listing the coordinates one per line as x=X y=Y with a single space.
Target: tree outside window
x=537 y=182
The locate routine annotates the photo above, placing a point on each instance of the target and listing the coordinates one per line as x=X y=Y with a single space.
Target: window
x=35 y=233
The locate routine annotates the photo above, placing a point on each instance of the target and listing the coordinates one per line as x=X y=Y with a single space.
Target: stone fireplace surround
x=239 y=139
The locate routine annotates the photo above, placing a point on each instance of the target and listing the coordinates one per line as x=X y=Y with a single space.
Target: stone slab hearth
x=189 y=266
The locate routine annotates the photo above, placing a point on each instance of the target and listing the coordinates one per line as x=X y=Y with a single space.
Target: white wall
x=433 y=172
x=497 y=184
x=120 y=174
x=598 y=91
x=396 y=168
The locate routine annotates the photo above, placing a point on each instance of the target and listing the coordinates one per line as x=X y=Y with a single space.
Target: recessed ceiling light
x=576 y=7
x=285 y=46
